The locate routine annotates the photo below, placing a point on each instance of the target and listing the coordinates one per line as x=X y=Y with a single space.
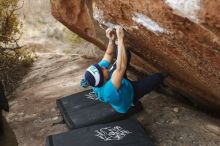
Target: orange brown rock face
x=176 y=36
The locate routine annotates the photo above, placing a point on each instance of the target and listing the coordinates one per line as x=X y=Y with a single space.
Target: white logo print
x=115 y=133
x=91 y=95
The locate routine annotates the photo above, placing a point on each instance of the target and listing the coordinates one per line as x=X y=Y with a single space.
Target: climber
x=112 y=85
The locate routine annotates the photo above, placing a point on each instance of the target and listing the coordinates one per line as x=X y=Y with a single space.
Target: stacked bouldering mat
x=84 y=109
x=121 y=133
x=92 y=122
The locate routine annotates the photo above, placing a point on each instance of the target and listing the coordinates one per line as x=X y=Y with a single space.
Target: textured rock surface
x=176 y=36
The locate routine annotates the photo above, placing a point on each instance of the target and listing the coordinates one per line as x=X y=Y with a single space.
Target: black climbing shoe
x=164 y=74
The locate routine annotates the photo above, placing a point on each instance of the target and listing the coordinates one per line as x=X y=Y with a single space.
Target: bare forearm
x=111 y=48
x=121 y=61
x=109 y=53
x=122 y=57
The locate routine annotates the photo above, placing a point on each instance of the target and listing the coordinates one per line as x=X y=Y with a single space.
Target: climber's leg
x=146 y=85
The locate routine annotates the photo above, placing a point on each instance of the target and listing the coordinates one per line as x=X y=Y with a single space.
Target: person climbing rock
x=112 y=85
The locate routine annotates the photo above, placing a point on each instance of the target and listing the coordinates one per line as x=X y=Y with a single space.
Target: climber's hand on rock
x=120 y=32
x=110 y=34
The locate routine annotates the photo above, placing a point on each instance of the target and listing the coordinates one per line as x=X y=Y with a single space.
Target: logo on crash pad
x=91 y=95
x=112 y=133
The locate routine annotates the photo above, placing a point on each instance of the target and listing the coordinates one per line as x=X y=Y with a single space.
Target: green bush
x=14 y=59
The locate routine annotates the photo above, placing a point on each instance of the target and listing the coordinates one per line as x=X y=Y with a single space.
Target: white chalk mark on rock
x=186 y=8
x=98 y=16
x=148 y=23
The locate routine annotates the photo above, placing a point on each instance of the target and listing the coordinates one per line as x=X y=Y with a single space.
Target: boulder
x=180 y=37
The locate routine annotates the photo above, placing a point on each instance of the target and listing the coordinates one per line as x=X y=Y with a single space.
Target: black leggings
x=146 y=85
x=142 y=86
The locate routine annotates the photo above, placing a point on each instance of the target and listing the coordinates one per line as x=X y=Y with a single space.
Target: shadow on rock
x=7 y=136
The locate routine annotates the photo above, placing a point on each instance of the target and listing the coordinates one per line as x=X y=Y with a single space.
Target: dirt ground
x=57 y=72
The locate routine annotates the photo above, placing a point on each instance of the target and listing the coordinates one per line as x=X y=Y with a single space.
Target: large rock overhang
x=181 y=37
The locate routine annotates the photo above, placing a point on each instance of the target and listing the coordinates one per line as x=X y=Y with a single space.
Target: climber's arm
x=121 y=61
x=109 y=53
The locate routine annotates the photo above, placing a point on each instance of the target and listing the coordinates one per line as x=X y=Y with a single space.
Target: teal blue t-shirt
x=120 y=100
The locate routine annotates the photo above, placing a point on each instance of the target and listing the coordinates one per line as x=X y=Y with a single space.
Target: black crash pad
x=121 y=133
x=84 y=109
